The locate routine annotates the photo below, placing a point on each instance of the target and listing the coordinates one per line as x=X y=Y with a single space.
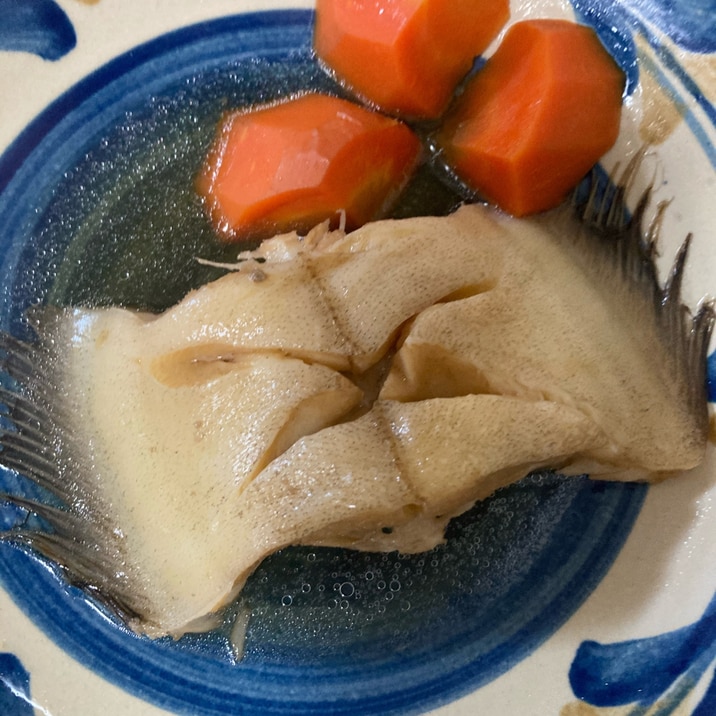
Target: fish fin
x=629 y=242
x=71 y=528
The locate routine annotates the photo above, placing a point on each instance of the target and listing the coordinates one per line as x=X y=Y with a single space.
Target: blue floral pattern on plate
x=38 y=26
x=690 y=24
x=661 y=670
x=479 y=605
x=14 y=687
x=397 y=634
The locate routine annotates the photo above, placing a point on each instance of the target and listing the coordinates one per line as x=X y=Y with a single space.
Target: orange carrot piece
x=405 y=56
x=291 y=165
x=539 y=114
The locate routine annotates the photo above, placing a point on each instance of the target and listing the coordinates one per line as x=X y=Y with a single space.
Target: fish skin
x=193 y=435
x=556 y=325
x=338 y=313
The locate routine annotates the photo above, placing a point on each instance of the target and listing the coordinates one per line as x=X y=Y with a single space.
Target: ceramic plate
x=555 y=596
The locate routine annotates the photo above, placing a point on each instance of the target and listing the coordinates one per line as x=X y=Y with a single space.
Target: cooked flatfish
x=352 y=390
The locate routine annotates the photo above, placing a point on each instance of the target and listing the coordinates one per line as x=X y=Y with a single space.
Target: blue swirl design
x=711 y=377
x=37 y=26
x=14 y=687
x=372 y=634
x=662 y=669
x=690 y=24
x=474 y=612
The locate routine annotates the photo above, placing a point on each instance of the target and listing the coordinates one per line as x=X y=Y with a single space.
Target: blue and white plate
x=555 y=596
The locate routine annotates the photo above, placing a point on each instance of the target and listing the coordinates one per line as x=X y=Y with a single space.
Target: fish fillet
x=334 y=386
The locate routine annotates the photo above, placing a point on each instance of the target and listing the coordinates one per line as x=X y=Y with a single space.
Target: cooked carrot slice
x=291 y=165
x=405 y=56
x=539 y=114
